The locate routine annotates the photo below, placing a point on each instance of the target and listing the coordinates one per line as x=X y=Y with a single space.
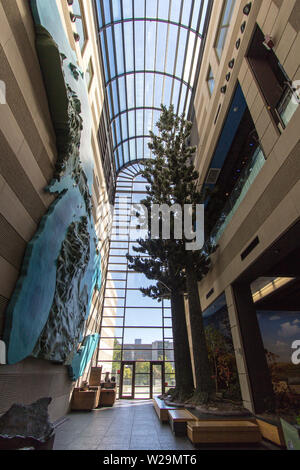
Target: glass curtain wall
x=134 y=327
x=150 y=51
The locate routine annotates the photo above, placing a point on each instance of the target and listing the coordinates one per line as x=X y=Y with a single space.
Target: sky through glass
x=150 y=51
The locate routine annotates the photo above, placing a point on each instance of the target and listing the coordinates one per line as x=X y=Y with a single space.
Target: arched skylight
x=150 y=51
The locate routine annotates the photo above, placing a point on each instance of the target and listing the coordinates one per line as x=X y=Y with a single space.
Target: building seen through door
x=136 y=344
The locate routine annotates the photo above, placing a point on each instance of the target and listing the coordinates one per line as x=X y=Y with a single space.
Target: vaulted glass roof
x=150 y=51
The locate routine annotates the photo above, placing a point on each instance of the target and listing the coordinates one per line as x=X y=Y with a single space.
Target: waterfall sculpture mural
x=61 y=267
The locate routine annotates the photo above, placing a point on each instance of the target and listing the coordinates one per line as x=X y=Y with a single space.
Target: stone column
x=239 y=350
x=254 y=375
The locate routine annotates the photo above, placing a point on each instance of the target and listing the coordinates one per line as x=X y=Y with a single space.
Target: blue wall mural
x=61 y=268
x=83 y=356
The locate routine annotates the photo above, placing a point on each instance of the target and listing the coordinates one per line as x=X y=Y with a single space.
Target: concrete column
x=239 y=350
x=255 y=368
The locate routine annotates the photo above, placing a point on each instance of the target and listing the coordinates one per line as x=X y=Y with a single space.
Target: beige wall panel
x=285 y=43
x=270 y=18
x=26 y=70
x=295 y=17
x=15 y=213
x=32 y=379
x=263 y=12
x=268 y=140
x=285 y=10
x=291 y=63
x=8 y=276
x=20 y=147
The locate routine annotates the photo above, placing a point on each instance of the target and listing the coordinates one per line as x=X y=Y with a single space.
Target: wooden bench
x=85 y=399
x=162 y=409
x=271 y=431
x=219 y=432
x=178 y=421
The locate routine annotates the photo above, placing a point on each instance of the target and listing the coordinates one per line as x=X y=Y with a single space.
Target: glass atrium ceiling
x=150 y=51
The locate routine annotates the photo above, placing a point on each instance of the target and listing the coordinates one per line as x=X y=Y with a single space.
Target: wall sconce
x=238 y=43
x=243 y=27
x=224 y=89
x=268 y=42
x=247 y=9
x=231 y=64
x=70 y=2
x=228 y=76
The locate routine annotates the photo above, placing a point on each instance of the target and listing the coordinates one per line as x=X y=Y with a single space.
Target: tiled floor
x=128 y=425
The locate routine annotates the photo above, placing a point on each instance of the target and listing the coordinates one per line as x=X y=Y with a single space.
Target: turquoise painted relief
x=83 y=356
x=61 y=267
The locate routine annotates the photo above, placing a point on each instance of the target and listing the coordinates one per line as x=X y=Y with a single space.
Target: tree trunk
x=204 y=384
x=182 y=356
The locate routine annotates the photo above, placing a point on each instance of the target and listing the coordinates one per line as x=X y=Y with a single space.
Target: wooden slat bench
x=214 y=432
x=162 y=409
x=271 y=431
x=178 y=421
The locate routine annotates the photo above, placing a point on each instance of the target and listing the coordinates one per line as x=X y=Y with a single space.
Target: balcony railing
x=248 y=175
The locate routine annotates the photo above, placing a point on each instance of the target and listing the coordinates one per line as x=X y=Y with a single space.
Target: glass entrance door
x=127 y=380
x=157 y=379
x=142 y=380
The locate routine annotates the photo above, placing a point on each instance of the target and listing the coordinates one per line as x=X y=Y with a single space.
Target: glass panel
x=143 y=337
x=196 y=12
x=150 y=44
x=175 y=10
x=135 y=298
x=172 y=41
x=136 y=354
x=247 y=176
x=170 y=380
x=111 y=331
x=109 y=355
x=142 y=379
x=186 y=12
x=143 y=317
x=110 y=52
x=128 y=34
x=117 y=10
x=139 y=45
x=127 y=380
x=112 y=322
x=142 y=368
x=161 y=46
x=139 y=90
x=122 y=92
x=119 y=47
x=151 y=9
x=163 y=9
x=127 y=8
x=107 y=11
x=142 y=392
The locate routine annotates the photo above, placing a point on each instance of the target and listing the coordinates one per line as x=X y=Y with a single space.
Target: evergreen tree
x=161 y=266
x=173 y=180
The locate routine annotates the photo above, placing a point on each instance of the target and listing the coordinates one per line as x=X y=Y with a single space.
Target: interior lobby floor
x=129 y=425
